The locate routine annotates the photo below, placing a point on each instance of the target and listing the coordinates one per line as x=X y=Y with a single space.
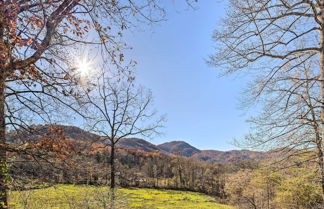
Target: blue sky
x=201 y=108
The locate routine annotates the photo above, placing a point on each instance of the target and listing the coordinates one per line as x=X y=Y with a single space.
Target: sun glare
x=83 y=67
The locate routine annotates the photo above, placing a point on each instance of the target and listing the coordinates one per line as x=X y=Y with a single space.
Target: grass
x=91 y=197
x=169 y=199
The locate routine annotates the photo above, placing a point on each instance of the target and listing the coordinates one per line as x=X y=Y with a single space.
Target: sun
x=82 y=64
x=83 y=67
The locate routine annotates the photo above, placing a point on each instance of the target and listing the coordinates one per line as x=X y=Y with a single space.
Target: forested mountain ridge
x=228 y=156
x=177 y=148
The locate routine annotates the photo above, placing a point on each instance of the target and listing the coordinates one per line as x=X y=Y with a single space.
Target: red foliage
x=55 y=144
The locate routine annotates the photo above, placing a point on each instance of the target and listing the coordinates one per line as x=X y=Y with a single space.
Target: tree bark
x=112 y=176
x=320 y=153
x=3 y=156
x=112 y=166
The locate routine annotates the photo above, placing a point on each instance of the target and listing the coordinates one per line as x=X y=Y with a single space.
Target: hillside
x=179 y=148
x=228 y=156
x=34 y=133
x=139 y=144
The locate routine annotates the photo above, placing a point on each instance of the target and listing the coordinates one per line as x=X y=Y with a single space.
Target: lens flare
x=82 y=67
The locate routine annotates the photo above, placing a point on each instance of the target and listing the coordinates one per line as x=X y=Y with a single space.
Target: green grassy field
x=78 y=197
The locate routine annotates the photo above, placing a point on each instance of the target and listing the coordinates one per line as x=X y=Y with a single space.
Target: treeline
x=134 y=169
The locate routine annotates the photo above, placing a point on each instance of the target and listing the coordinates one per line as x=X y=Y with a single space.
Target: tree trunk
x=321 y=160
x=320 y=154
x=112 y=176
x=112 y=166
x=3 y=156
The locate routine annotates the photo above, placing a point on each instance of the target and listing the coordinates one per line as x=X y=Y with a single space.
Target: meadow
x=92 y=197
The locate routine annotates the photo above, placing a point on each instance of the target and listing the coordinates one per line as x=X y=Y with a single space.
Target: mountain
x=228 y=156
x=34 y=133
x=179 y=148
x=76 y=133
x=139 y=144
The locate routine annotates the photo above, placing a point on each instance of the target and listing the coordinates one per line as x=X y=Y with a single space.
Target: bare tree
x=275 y=39
x=289 y=122
x=119 y=109
x=34 y=36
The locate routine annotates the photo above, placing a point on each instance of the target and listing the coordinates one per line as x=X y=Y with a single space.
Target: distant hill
x=184 y=149
x=136 y=143
x=179 y=148
x=228 y=156
x=34 y=132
